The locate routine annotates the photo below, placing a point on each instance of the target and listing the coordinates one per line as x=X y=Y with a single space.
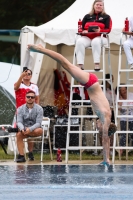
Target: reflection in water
x=66 y=174
x=50 y=180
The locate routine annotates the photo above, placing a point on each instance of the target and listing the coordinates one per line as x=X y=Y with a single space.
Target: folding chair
x=10 y=136
x=45 y=126
x=45 y=136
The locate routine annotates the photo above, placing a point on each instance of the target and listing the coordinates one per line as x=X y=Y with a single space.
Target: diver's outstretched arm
x=56 y=56
x=76 y=72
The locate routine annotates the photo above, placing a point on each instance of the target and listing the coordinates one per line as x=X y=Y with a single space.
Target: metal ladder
x=127 y=73
x=82 y=106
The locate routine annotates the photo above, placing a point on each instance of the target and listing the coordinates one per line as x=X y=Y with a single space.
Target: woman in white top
x=128 y=44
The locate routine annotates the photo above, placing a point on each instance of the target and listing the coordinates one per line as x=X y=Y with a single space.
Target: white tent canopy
x=62 y=29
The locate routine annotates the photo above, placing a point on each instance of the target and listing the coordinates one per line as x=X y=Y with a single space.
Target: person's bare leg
x=106 y=140
x=121 y=152
x=21 y=136
x=75 y=71
x=30 y=145
x=20 y=143
x=37 y=132
x=100 y=129
x=103 y=128
x=100 y=138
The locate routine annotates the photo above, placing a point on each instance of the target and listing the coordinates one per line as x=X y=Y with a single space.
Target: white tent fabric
x=62 y=29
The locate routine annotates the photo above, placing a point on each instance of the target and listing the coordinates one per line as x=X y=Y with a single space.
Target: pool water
x=64 y=182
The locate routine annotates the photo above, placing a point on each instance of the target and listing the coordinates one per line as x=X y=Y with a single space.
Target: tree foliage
x=17 y=13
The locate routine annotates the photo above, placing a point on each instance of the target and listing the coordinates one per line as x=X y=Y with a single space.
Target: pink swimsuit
x=92 y=79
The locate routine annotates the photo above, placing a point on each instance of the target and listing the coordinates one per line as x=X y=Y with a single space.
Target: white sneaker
x=131 y=66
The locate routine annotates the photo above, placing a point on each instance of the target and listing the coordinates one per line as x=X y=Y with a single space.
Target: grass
x=73 y=155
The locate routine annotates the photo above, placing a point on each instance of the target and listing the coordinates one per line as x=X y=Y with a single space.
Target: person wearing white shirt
x=128 y=44
x=125 y=110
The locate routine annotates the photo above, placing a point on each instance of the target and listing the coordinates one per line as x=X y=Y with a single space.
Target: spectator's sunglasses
x=30 y=97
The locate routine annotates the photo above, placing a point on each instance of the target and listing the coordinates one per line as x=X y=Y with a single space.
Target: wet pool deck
x=80 y=180
x=70 y=162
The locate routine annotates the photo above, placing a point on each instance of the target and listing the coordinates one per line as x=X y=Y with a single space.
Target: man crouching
x=29 y=119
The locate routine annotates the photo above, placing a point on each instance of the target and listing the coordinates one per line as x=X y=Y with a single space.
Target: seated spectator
x=29 y=119
x=128 y=44
x=24 y=85
x=125 y=110
x=96 y=17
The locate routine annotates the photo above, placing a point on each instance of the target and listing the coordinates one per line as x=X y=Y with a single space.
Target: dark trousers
x=123 y=125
